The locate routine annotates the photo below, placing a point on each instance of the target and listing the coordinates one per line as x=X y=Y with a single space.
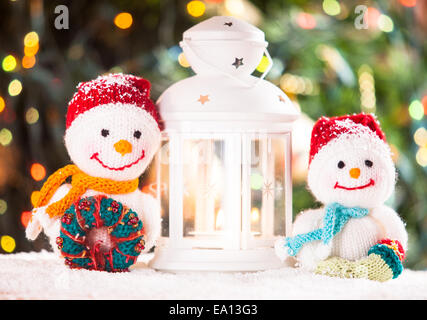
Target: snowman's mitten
x=392 y=253
x=33 y=228
x=384 y=262
x=39 y=220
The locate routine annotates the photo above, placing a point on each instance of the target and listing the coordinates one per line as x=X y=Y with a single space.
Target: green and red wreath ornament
x=119 y=245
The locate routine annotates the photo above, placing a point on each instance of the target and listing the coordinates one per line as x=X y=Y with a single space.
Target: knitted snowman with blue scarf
x=352 y=173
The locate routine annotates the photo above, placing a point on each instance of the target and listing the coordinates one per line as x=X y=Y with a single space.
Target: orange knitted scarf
x=80 y=182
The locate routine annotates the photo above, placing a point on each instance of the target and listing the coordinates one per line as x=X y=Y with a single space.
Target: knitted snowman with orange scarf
x=352 y=173
x=101 y=220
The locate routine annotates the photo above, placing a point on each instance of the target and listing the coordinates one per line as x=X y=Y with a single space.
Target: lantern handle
x=270 y=65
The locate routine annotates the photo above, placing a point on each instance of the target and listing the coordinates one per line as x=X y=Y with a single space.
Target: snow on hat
x=111 y=89
x=327 y=129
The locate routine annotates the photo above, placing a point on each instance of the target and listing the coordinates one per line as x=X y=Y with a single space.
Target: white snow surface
x=42 y=275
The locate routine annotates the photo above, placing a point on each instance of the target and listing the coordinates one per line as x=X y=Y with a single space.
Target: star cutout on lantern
x=281 y=98
x=203 y=99
x=267 y=189
x=228 y=24
x=237 y=62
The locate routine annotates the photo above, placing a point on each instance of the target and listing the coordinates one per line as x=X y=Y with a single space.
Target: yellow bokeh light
x=385 y=23
x=421 y=157
x=123 y=20
x=2 y=104
x=5 y=137
x=331 y=7
x=256 y=181
x=416 y=110
x=28 y=62
x=7 y=243
x=255 y=214
x=3 y=206
x=289 y=83
x=196 y=8
x=420 y=137
x=15 y=87
x=9 y=63
x=235 y=7
x=32 y=115
x=31 y=39
x=263 y=64
x=31 y=51
x=183 y=60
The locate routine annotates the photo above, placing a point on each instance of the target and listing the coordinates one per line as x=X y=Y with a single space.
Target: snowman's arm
x=312 y=252
x=151 y=219
x=40 y=220
x=307 y=221
x=392 y=225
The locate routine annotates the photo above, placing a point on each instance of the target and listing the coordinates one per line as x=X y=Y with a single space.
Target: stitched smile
x=370 y=183
x=95 y=156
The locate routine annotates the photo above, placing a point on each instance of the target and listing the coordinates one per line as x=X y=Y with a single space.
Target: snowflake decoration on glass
x=185 y=190
x=237 y=62
x=208 y=190
x=267 y=189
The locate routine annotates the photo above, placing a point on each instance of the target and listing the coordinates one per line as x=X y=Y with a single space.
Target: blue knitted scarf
x=336 y=216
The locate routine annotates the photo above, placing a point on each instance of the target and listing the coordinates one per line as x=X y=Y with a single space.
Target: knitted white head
x=112 y=127
x=350 y=162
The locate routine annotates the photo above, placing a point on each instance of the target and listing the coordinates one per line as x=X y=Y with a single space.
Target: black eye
x=137 y=134
x=341 y=164
x=369 y=163
x=105 y=132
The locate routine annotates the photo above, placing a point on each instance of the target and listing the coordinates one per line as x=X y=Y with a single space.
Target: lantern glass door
x=269 y=183
x=227 y=191
x=162 y=184
x=203 y=192
x=200 y=184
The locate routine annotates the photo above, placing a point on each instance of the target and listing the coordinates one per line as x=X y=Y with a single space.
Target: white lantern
x=224 y=169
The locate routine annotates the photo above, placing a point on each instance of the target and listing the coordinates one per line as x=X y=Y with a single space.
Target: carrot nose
x=355 y=173
x=123 y=147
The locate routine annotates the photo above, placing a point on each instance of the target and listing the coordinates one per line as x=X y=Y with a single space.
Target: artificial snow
x=43 y=275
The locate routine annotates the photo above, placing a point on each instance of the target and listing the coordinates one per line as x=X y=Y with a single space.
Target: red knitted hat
x=112 y=88
x=327 y=129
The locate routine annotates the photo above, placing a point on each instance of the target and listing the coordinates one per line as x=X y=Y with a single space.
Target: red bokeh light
x=25 y=218
x=306 y=21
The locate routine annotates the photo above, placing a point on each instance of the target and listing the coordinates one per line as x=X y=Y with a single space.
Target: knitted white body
x=354 y=240
x=147 y=208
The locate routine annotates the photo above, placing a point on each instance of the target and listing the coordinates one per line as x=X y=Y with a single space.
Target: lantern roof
x=224 y=28
x=223 y=95
x=224 y=102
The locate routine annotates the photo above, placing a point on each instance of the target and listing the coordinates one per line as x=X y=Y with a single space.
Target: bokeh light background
x=322 y=61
